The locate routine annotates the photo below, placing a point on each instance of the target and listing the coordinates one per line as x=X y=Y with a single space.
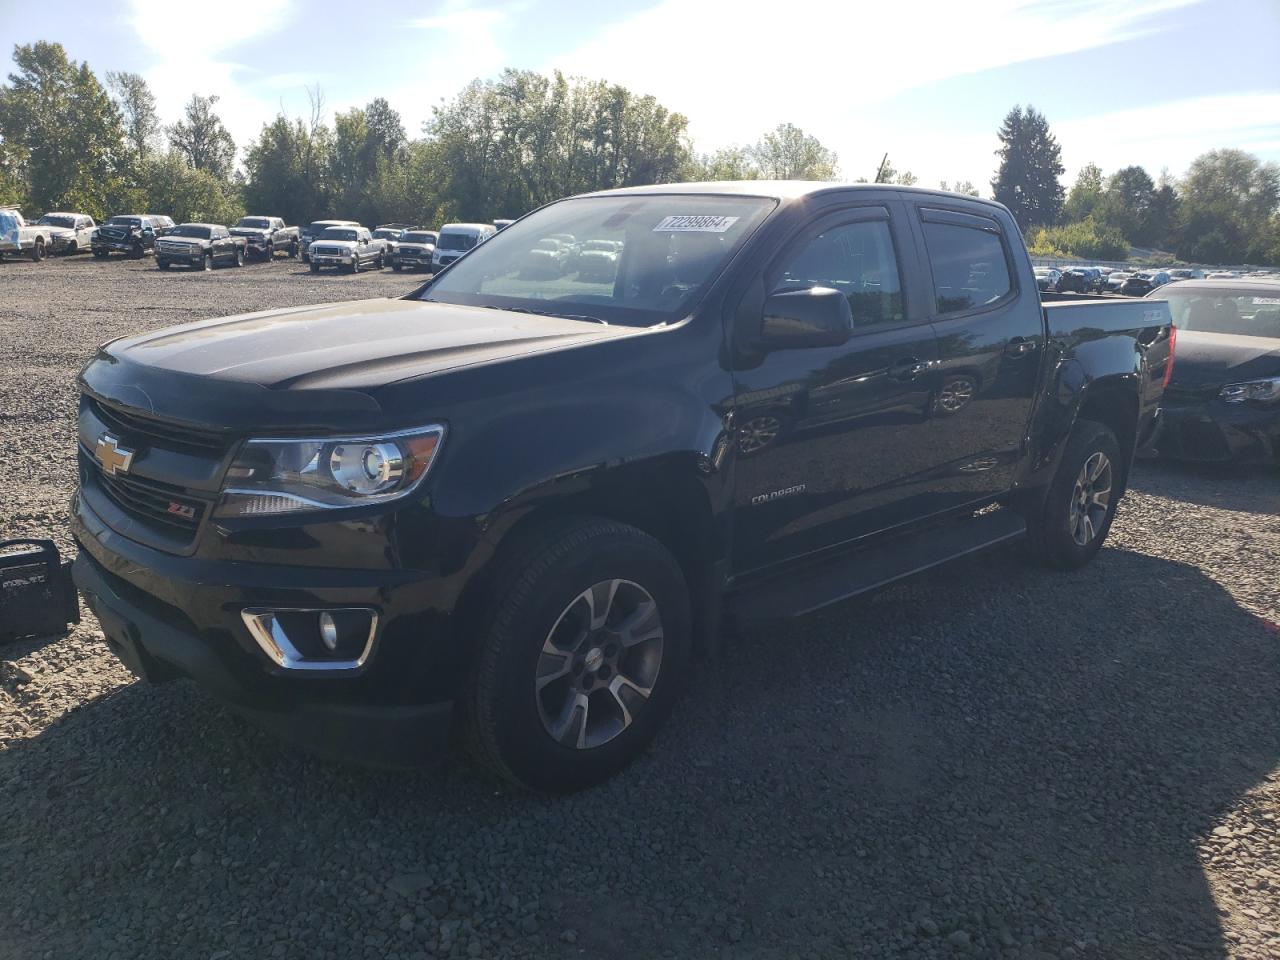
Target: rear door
x=990 y=344
x=831 y=442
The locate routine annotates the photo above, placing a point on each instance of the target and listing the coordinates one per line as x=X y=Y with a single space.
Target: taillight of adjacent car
x=1173 y=349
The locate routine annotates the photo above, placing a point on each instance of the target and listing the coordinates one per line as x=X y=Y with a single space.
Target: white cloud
x=736 y=68
x=192 y=55
x=1171 y=134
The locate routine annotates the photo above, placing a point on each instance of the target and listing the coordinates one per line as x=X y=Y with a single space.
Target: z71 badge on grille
x=113 y=457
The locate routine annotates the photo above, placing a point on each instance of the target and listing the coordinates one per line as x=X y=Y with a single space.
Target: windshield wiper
x=547 y=313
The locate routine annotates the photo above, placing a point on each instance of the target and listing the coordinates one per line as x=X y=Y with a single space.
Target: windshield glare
x=338 y=233
x=58 y=221
x=417 y=238
x=257 y=223
x=190 y=230
x=670 y=247
x=125 y=221
x=1246 y=314
x=456 y=241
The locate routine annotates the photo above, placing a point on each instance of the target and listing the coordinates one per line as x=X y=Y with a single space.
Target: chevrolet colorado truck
x=267 y=236
x=503 y=512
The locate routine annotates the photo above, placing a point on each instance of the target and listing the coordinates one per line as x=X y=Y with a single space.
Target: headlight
x=1264 y=391
x=272 y=477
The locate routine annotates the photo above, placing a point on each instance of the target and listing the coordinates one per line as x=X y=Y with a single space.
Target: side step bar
x=812 y=588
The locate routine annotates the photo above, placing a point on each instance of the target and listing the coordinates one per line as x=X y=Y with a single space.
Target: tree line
x=501 y=147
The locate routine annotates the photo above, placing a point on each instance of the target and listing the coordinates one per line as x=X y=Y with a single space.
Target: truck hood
x=1214 y=359
x=249 y=231
x=57 y=231
x=340 y=244
x=355 y=345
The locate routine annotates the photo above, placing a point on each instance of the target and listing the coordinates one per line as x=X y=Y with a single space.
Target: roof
x=779 y=189
x=199 y=224
x=1258 y=284
x=467 y=226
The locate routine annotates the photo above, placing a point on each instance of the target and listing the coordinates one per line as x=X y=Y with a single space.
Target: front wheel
x=355 y=264
x=162 y=264
x=100 y=254
x=239 y=256
x=582 y=653
x=37 y=251
x=136 y=252
x=396 y=266
x=208 y=261
x=1073 y=520
x=293 y=250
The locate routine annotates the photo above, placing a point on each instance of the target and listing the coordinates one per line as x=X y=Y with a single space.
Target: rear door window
x=969 y=261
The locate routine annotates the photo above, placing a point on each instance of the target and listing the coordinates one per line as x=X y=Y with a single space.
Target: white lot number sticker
x=695 y=224
x=1266 y=300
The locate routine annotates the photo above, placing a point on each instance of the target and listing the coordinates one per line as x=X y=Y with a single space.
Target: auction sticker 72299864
x=694 y=224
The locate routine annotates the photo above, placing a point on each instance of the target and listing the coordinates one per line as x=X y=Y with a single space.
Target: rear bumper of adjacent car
x=1216 y=431
x=167 y=616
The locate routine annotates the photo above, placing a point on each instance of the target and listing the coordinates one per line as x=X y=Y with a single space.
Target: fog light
x=328 y=630
x=338 y=638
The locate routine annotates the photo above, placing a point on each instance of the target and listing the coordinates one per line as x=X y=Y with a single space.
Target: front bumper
x=118 y=245
x=189 y=257
x=168 y=616
x=331 y=260
x=1216 y=431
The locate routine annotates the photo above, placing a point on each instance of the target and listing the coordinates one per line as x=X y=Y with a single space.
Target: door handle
x=907 y=369
x=1019 y=347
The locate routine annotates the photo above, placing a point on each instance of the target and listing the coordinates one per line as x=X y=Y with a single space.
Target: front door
x=829 y=441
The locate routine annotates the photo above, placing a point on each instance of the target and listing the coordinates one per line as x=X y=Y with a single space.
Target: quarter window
x=858 y=260
x=969 y=266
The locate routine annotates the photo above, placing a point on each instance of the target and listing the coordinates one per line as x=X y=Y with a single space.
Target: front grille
x=328 y=251
x=158 y=432
x=153 y=503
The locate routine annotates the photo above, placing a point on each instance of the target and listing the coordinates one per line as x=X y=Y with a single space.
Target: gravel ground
x=990 y=761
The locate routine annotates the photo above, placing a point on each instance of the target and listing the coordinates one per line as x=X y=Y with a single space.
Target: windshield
x=52 y=221
x=1245 y=313
x=319 y=227
x=125 y=222
x=456 y=241
x=670 y=249
x=190 y=230
x=605 y=246
x=417 y=238
x=386 y=234
x=338 y=233
x=257 y=223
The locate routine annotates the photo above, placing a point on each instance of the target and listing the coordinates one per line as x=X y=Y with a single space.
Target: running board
x=804 y=590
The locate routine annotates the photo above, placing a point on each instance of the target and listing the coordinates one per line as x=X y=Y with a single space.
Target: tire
x=239 y=256
x=162 y=264
x=379 y=263
x=315 y=267
x=270 y=253
x=100 y=254
x=542 y=592
x=396 y=266
x=72 y=249
x=208 y=261
x=293 y=249
x=355 y=264
x=1068 y=527
x=136 y=252
x=37 y=250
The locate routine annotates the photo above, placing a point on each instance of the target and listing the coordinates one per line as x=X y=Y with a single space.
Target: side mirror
x=813 y=317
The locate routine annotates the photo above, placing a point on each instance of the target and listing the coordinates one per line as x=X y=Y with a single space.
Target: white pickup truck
x=17 y=236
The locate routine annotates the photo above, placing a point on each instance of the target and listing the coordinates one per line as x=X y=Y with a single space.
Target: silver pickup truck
x=17 y=236
x=267 y=236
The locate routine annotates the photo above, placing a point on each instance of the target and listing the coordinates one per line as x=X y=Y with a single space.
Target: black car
x=1141 y=284
x=503 y=511
x=129 y=233
x=1074 y=280
x=1223 y=401
x=201 y=246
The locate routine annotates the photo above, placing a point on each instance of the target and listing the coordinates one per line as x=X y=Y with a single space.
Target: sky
x=1151 y=82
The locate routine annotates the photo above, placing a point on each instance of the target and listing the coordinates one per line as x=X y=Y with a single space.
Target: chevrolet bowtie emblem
x=113 y=457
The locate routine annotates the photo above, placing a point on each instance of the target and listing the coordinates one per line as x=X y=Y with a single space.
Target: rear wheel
x=315 y=267
x=1076 y=514
x=396 y=266
x=208 y=260
x=582 y=654
x=136 y=252
x=239 y=256
x=162 y=264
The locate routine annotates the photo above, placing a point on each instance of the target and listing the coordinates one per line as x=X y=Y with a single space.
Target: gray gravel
x=991 y=761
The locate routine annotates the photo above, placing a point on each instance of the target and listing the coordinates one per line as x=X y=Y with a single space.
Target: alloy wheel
x=955 y=394
x=599 y=664
x=1090 y=499
x=758 y=432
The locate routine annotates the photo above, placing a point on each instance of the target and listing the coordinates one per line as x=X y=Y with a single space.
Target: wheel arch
x=1113 y=402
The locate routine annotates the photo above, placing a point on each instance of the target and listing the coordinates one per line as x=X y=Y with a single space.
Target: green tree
x=287 y=170
x=1228 y=200
x=729 y=163
x=187 y=194
x=1126 y=202
x=888 y=173
x=368 y=148
x=137 y=106
x=788 y=153
x=60 y=134
x=1087 y=238
x=1030 y=165
x=202 y=138
x=1085 y=193
x=961 y=186
x=507 y=145
x=1162 y=215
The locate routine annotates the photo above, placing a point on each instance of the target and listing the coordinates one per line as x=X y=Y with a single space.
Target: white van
x=456 y=239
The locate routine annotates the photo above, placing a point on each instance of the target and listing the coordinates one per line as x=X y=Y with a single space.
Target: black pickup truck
x=267 y=236
x=513 y=507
